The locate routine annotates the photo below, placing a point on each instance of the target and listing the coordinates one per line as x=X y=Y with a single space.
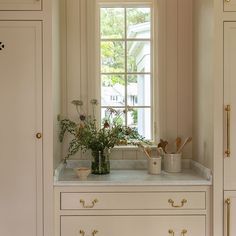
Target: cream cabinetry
x=230 y=105
x=169 y=200
x=229 y=5
x=133 y=225
x=132 y=210
x=230 y=213
x=20 y=5
x=21 y=121
x=230 y=126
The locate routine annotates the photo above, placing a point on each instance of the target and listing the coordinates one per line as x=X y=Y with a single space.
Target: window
x=126 y=65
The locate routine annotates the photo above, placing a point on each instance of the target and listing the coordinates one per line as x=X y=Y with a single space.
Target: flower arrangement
x=88 y=135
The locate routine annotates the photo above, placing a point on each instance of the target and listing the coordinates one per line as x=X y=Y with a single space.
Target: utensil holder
x=154 y=166
x=172 y=162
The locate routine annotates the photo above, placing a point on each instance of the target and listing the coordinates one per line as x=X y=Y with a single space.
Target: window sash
x=113 y=4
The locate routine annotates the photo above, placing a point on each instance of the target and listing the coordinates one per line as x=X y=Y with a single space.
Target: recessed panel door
x=20 y=128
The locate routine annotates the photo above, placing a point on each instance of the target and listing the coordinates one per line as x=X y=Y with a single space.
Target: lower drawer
x=133 y=225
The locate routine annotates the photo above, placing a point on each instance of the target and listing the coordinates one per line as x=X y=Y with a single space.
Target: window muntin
x=126 y=65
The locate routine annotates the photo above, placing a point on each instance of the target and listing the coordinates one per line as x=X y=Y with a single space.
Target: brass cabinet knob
x=227 y=0
x=38 y=135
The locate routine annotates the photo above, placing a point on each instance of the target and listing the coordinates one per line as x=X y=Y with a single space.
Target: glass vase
x=100 y=162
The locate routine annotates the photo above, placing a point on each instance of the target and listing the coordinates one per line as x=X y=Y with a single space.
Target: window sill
x=131 y=147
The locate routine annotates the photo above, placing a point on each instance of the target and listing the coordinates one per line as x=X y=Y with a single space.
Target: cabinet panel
x=21 y=119
x=154 y=200
x=230 y=213
x=229 y=5
x=132 y=225
x=230 y=99
x=17 y=5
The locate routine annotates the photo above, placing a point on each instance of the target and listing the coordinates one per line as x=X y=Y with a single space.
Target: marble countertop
x=188 y=177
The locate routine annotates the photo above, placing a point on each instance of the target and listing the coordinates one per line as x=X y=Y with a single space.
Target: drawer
x=133 y=225
x=134 y=201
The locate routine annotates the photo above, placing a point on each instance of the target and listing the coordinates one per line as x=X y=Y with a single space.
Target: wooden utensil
x=188 y=140
x=178 y=143
x=160 y=151
x=146 y=150
x=163 y=145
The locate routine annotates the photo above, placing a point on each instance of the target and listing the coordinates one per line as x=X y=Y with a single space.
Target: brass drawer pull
x=177 y=206
x=172 y=232
x=88 y=206
x=228 y=203
x=227 y=151
x=227 y=0
x=82 y=232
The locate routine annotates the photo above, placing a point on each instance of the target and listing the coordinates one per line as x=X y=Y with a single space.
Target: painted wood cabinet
x=21 y=200
x=132 y=225
x=133 y=210
x=230 y=213
x=229 y=5
x=230 y=105
x=17 y=5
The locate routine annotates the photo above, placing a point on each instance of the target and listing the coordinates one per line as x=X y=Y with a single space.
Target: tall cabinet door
x=20 y=5
x=20 y=128
x=230 y=105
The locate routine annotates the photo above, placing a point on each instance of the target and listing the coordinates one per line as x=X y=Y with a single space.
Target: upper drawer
x=20 y=5
x=229 y=5
x=138 y=200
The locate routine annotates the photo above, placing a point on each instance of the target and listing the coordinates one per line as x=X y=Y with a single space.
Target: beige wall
x=203 y=19
x=174 y=72
x=58 y=39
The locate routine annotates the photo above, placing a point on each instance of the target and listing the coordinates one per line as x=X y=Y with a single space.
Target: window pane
x=138 y=23
x=113 y=115
x=138 y=56
x=112 y=23
x=112 y=57
x=139 y=90
x=113 y=90
x=140 y=118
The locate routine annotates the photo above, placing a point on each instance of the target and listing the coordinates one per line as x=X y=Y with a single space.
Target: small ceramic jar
x=154 y=166
x=83 y=172
x=172 y=162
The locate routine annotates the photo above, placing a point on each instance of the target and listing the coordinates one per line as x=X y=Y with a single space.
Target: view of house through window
x=126 y=65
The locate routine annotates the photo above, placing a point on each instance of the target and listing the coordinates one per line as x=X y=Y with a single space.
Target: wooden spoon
x=163 y=145
x=178 y=143
x=188 y=140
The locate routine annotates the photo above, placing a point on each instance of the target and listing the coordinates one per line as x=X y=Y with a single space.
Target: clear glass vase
x=100 y=162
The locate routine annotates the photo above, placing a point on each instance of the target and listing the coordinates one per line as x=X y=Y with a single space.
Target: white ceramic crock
x=172 y=162
x=154 y=166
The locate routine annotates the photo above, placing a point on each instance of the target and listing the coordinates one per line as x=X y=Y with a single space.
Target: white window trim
x=158 y=71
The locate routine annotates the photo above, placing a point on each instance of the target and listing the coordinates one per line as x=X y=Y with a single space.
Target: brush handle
x=147 y=154
x=188 y=140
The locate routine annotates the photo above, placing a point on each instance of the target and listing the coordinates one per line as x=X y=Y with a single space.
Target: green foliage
x=88 y=136
x=113 y=27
